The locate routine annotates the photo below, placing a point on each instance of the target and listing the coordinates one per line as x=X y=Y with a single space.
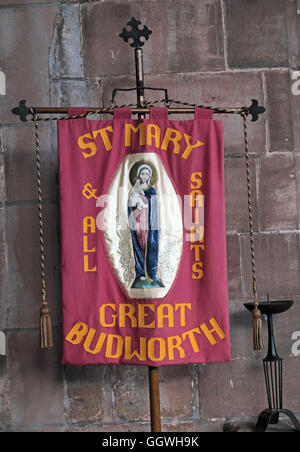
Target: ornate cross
x=136 y=33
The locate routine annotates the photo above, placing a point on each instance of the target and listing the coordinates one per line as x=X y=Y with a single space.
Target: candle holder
x=273 y=369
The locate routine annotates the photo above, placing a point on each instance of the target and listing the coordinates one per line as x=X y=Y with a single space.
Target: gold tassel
x=258 y=343
x=46 y=330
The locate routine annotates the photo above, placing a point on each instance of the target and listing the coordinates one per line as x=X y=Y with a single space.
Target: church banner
x=143 y=257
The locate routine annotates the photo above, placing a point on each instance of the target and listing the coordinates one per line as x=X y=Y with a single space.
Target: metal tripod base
x=272 y=417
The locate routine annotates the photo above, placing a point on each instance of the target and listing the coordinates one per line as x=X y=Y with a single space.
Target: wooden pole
x=153 y=371
x=135 y=111
x=154 y=399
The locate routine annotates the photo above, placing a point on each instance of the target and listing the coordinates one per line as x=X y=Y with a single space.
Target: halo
x=134 y=169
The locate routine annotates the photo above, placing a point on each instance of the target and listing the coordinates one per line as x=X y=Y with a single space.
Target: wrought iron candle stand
x=273 y=370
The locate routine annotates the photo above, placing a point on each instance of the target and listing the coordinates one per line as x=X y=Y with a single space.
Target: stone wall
x=215 y=52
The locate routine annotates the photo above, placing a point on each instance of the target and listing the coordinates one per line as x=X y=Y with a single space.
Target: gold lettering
x=141 y=355
x=77 y=333
x=175 y=140
x=197 y=251
x=196 y=198
x=197 y=179
x=102 y=313
x=86 y=246
x=90 y=145
x=109 y=346
x=197 y=230
x=142 y=315
x=99 y=344
x=104 y=136
x=182 y=307
x=151 y=349
x=175 y=342
x=191 y=336
x=86 y=265
x=89 y=225
x=129 y=314
x=155 y=135
x=189 y=146
x=216 y=329
x=130 y=127
x=197 y=268
x=168 y=315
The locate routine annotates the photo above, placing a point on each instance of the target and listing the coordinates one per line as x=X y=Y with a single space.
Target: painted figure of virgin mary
x=144 y=225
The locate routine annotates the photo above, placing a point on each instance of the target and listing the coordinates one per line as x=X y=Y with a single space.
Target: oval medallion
x=143 y=228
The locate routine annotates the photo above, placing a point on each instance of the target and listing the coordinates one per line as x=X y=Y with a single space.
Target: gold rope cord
x=257 y=324
x=45 y=321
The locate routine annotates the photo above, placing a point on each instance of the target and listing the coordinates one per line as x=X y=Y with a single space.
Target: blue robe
x=146 y=262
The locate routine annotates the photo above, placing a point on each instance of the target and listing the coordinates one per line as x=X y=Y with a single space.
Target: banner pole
x=154 y=399
x=23 y=111
x=152 y=371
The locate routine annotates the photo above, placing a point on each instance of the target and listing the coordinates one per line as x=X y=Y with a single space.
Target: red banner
x=144 y=268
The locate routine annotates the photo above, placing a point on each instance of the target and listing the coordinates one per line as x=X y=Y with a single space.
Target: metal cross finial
x=255 y=110
x=135 y=33
x=22 y=110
